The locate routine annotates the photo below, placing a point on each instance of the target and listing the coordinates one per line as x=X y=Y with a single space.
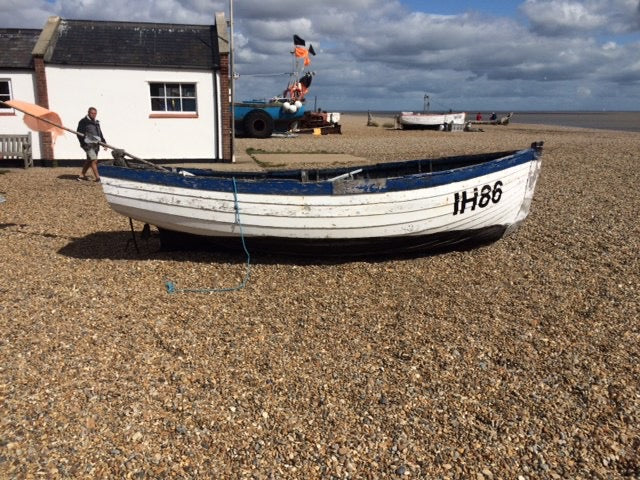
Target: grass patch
x=269 y=164
x=253 y=151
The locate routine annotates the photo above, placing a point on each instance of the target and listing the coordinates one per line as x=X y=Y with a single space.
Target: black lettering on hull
x=463 y=201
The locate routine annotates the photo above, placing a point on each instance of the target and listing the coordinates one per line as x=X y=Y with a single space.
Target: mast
x=231 y=83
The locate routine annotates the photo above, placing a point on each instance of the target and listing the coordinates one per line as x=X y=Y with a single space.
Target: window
x=173 y=97
x=5 y=94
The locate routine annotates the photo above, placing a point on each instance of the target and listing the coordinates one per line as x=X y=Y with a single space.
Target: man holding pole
x=89 y=138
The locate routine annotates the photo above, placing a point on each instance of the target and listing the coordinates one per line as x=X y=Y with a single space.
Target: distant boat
x=407 y=206
x=494 y=120
x=431 y=120
x=437 y=121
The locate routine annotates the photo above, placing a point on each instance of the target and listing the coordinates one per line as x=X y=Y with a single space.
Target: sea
x=626 y=121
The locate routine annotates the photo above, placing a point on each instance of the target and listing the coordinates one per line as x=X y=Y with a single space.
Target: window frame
x=7 y=110
x=166 y=96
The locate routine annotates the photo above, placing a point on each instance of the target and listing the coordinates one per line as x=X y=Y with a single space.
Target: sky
x=471 y=55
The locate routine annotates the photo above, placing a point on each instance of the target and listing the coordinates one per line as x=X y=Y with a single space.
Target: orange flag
x=302 y=52
x=37 y=118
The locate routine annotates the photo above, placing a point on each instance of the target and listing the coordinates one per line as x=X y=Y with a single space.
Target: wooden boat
x=415 y=205
x=438 y=121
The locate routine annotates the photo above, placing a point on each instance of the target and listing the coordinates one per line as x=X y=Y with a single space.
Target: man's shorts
x=91 y=154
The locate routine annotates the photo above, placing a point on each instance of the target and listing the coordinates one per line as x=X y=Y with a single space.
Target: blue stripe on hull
x=380 y=178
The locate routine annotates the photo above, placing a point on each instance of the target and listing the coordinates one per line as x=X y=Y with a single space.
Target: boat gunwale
x=290 y=182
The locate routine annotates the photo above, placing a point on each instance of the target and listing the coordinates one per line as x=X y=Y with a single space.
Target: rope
x=238 y=75
x=171 y=287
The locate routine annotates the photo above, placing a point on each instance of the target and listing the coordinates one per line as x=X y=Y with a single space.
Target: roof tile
x=16 y=45
x=99 y=43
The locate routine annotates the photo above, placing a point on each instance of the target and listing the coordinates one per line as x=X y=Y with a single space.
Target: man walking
x=89 y=126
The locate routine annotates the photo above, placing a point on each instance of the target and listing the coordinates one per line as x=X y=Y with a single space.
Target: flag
x=298 y=41
x=302 y=52
x=311 y=50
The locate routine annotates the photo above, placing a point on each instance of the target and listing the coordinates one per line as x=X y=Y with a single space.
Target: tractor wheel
x=258 y=124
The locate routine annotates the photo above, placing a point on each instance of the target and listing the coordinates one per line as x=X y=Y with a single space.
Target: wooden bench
x=17 y=146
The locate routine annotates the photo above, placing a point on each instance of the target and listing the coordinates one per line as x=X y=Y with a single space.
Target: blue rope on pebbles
x=171 y=287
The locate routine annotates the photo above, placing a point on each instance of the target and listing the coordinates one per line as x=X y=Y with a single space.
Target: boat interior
x=375 y=171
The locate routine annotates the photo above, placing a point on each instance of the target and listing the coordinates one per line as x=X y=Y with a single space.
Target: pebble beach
x=515 y=360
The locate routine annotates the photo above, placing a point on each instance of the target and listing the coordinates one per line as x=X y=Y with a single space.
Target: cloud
x=570 y=17
x=381 y=54
x=583 y=92
x=25 y=13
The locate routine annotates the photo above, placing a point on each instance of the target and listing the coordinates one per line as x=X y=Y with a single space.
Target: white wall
x=122 y=99
x=22 y=88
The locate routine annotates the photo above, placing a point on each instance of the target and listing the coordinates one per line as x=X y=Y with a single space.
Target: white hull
x=377 y=215
x=431 y=120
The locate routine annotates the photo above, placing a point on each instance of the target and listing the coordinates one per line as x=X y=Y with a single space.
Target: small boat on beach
x=431 y=120
x=386 y=208
x=434 y=121
x=494 y=121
